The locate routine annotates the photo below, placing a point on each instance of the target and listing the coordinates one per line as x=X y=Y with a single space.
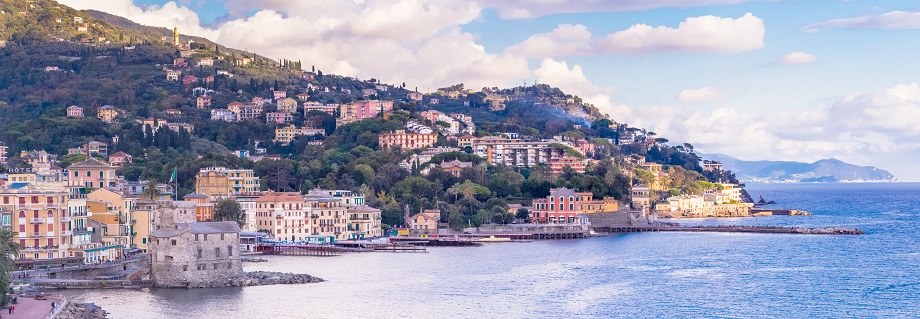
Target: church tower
x=176 y=36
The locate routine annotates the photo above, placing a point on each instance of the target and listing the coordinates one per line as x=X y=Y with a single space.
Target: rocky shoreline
x=82 y=311
x=260 y=278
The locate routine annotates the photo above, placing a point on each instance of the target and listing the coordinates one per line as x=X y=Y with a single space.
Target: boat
x=492 y=239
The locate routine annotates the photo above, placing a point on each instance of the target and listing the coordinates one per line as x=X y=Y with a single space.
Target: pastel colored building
x=285 y=135
x=406 y=140
x=75 y=111
x=560 y=207
x=221 y=182
x=92 y=173
x=362 y=110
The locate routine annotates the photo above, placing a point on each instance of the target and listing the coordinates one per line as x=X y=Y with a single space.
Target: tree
x=151 y=192
x=229 y=210
x=523 y=214
x=8 y=249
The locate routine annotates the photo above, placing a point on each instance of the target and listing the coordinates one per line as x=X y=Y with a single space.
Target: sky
x=755 y=79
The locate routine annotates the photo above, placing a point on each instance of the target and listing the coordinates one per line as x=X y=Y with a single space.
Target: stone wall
x=181 y=260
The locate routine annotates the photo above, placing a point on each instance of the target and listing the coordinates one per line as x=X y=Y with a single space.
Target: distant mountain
x=823 y=171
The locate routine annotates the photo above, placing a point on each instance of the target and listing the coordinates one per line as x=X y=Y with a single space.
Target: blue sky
x=777 y=80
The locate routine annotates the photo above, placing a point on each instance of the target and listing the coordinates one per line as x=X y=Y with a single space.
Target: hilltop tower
x=176 y=36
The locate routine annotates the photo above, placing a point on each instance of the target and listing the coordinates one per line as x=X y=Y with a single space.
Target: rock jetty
x=81 y=311
x=253 y=260
x=260 y=278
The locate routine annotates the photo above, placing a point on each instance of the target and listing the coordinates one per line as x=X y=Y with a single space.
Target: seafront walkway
x=29 y=308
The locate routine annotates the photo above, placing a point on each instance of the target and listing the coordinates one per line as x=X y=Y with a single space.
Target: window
x=221 y=236
x=144 y=240
x=34 y=199
x=173 y=242
x=22 y=201
x=76 y=174
x=184 y=267
x=230 y=251
x=199 y=253
x=50 y=213
x=100 y=175
x=196 y=237
x=205 y=237
x=22 y=214
x=216 y=253
x=89 y=174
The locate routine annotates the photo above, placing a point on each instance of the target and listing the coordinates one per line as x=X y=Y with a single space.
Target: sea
x=636 y=275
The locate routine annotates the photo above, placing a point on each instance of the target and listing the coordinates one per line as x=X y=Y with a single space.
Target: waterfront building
x=203 y=207
x=361 y=110
x=283 y=215
x=194 y=254
x=732 y=192
x=587 y=204
x=112 y=213
x=364 y=222
x=425 y=222
x=405 y=140
x=328 y=215
x=641 y=196
x=222 y=182
x=560 y=207
x=92 y=173
x=285 y=135
x=37 y=216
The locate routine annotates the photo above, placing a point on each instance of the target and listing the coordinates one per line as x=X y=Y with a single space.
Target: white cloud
x=894 y=20
x=414 y=41
x=872 y=128
x=703 y=95
x=573 y=81
x=798 y=58
x=566 y=39
x=700 y=34
x=520 y=9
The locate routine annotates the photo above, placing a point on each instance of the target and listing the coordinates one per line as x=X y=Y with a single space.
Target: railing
x=66 y=233
x=79 y=229
x=65 y=219
x=37 y=235
x=42 y=248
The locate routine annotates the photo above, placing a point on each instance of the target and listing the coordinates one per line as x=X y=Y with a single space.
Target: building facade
x=195 y=254
x=406 y=140
x=220 y=182
x=362 y=110
x=560 y=207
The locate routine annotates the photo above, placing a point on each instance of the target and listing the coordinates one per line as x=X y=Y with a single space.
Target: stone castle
x=202 y=254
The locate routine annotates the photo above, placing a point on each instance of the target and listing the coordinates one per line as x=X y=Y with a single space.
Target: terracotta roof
x=90 y=163
x=120 y=154
x=274 y=197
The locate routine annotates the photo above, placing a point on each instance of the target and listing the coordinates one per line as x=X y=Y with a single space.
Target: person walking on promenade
x=52 y=306
x=12 y=309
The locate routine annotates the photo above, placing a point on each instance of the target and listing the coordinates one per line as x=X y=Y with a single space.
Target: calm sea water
x=645 y=275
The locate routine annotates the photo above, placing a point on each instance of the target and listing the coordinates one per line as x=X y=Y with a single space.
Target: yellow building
x=285 y=135
x=38 y=218
x=364 y=222
x=108 y=114
x=588 y=205
x=407 y=140
x=288 y=105
x=113 y=211
x=284 y=216
x=425 y=222
x=220 y=182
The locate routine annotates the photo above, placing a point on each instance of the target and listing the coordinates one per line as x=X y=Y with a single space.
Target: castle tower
x=176 y=36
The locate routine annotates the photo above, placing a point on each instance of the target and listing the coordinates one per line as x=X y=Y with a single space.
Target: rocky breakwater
x=81 y=311
x=260 y=278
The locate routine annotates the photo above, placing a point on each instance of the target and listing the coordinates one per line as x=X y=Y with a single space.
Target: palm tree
x=151 y=192
x=8 y=250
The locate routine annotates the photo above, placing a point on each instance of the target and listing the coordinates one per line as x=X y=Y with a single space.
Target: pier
x=300 y=250
x=634 y=221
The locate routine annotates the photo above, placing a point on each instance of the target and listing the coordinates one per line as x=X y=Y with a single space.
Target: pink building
x=74 y=111
x=361 y=110
x=280 y=95
x=189 y=79
x=278 y=117
x=560 y=207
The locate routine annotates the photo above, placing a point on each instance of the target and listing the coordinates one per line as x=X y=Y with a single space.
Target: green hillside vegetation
x=127 y=71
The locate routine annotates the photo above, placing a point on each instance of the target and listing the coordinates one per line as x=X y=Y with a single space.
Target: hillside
x=823 y=171
x=151 y=89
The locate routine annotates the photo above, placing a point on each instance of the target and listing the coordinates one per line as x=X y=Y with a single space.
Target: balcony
x=42 y=248
x=37 y=221
x=79 y=229
x=37 y=235
x=66 y=219
x=66 y=233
